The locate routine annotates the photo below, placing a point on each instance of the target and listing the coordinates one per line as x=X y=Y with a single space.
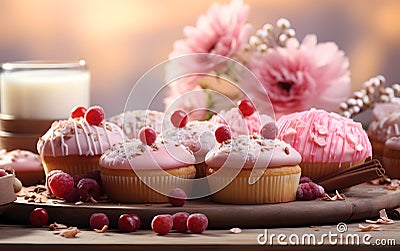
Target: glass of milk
x=43 y=90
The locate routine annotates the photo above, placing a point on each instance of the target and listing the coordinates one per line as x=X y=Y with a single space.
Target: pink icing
x=252 y=151
x=132 y=152
x=385 y=128
x=20 y=160
x=393 y=143
x=198 y=136
x=240 y=125
x=77 y=137
x=132 y=121
x=324 y=137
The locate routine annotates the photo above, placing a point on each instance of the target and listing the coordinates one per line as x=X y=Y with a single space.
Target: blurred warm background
x=122 y=39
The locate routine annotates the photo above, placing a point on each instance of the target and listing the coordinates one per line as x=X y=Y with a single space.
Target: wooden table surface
x=17 y=237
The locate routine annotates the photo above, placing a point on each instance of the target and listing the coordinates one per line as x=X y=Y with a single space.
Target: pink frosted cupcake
x=139 y=173
x=326 y=141
x=27 y=166
x=238 y=162
x=242 y=120
x=132 y=121
x=76 y=144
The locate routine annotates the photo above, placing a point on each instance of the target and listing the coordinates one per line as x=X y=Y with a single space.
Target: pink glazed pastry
x=130 y=167
x=27 y=166
x=326 y=141
x=244 y=158
x=75 y=146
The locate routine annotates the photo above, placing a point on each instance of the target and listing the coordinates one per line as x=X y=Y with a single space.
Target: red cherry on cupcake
x=147 y=135
x=94 y=115
x=179 y=119
x=222 y=133
x=78 y=112
x=246 y=107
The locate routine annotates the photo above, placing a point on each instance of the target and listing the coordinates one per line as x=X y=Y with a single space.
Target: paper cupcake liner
x=391 y=163
x=268 y=189
x=319 y=170
x=133 y=190
x=74 y=165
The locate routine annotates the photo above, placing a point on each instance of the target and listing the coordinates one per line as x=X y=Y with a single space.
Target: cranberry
x=39 y=217
x=197 y=223
x=98 y=220
x=3 y=172
x=269 y=130
x=78 y=112
x=179 y=118
x=147 y=135
x=180 y=221
x=94 y=115
x=162 y=224
x=137 y=221
x=309 y=191
x=73 y=195
x=60 y=183
x=222 y=133
x=126 y=223
x=77 y=178
x=246 y=107
x=177 y=197
x=88 y=188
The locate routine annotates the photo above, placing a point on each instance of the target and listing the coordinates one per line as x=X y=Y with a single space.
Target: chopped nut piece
x=71 y=232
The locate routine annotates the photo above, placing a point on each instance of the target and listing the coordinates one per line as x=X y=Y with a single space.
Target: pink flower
x=222 y=31
x=298 y=77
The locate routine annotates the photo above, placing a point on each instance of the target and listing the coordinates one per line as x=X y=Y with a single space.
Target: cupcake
x=27 y=166
x=326 y=141
x=198 y=136
x=135 y=172
x=386 y=124
x=391 y=157
x=76 y=144
x=249 y=169
x=242 y=120
x=132 y=121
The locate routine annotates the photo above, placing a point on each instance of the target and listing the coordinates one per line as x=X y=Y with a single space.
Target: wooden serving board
x=362 y=201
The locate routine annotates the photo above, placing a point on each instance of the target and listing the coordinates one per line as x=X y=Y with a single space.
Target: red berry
x=137 y=221
x=60 y=183
x=126 y=223
x=222 y=133
x=177 y=197
x=309 y=191
x=73 y=195
x=94 y=115
x=98 y=220
x=269 y=130
x=147 y=135
x=305 y=179
x=162 y=224
x=39 y=217
x=180 y=222
x=179 y=118
x=78 y=112
x=88 y=188
x=197 y=223
x=3 y=172
x=246 y=107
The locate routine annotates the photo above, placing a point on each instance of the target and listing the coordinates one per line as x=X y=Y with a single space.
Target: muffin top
x=326 y=137
x=132 y=121
x=252 y=151
x=75 y=136
x=198 y=136
x=132 y=153
x=385 y=127
x=20 y=160
x=239 y=124
x=393 y=143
